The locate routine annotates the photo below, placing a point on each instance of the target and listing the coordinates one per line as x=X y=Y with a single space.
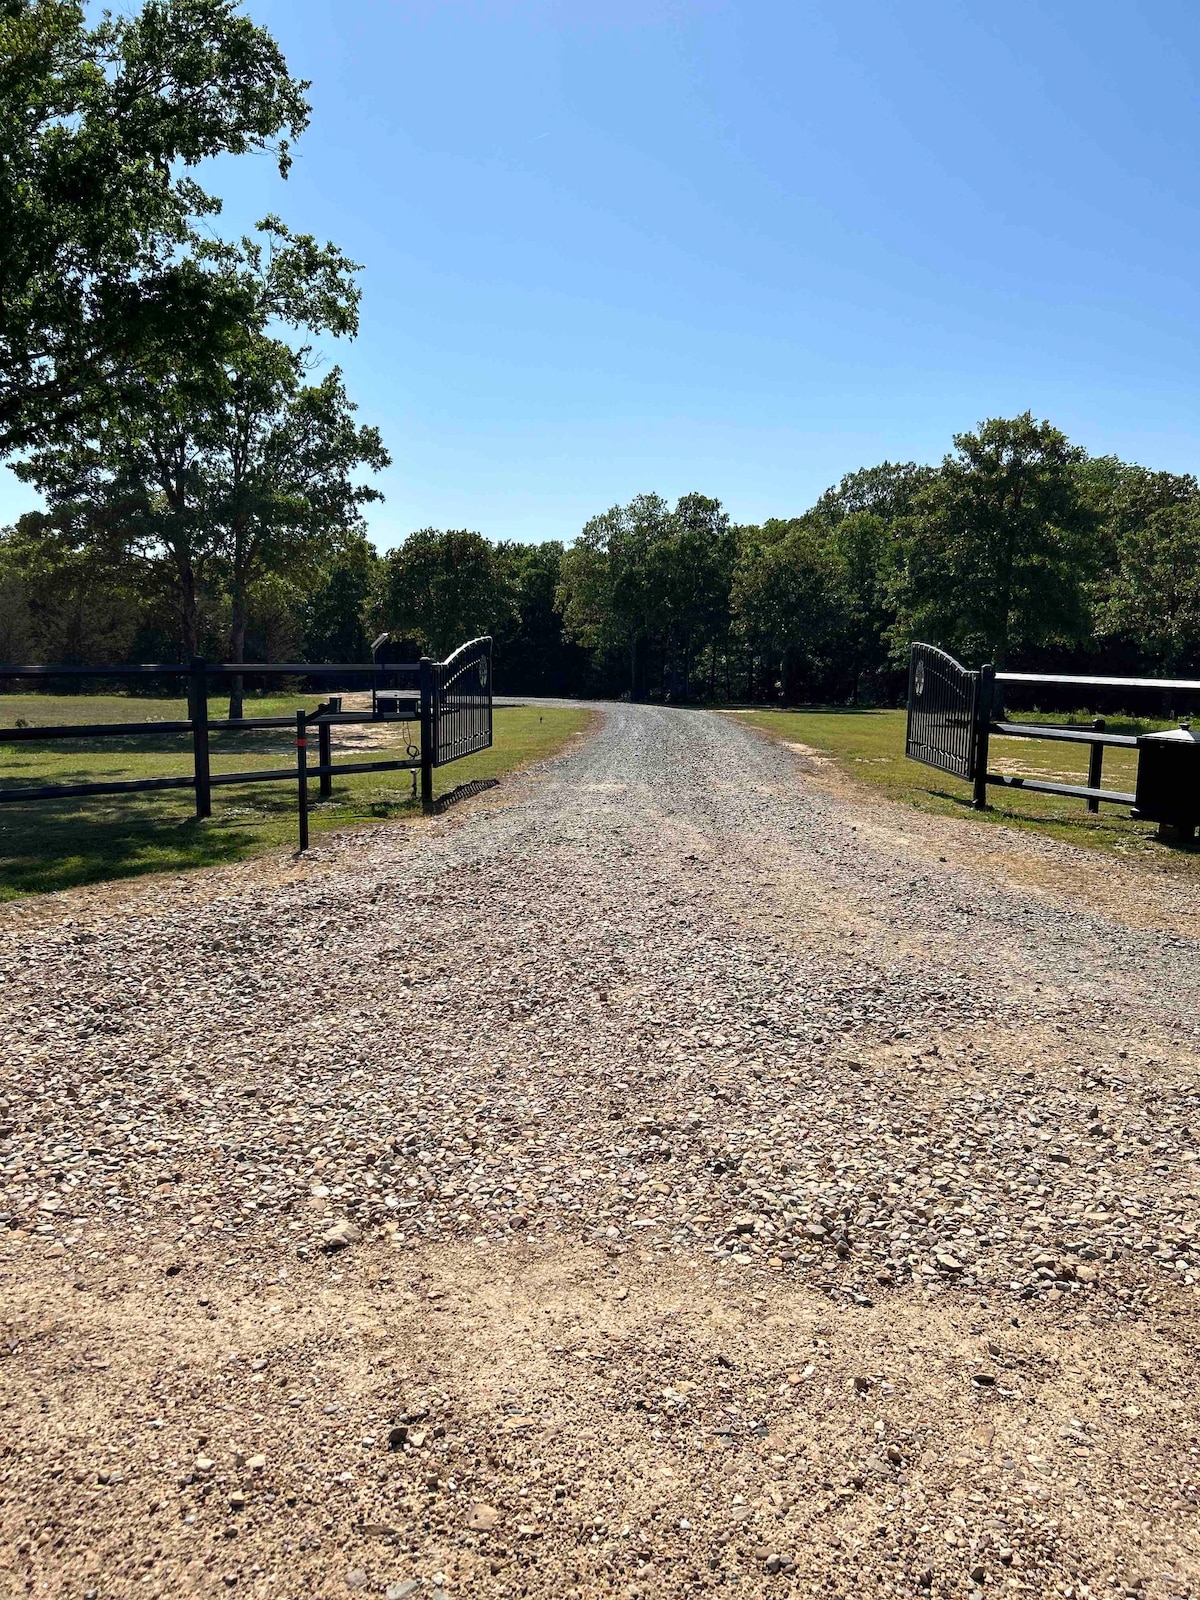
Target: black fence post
x=198 y=712
x=302 y=777
x=984 y=695
x=428 y=734
x=325 y=756
x=1096 y=763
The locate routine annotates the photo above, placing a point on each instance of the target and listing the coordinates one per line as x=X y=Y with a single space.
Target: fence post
x=302 y=777
x=325 y=757
x=1096 y=763
x=984 y=691
x=428 y=734
x=198 y=711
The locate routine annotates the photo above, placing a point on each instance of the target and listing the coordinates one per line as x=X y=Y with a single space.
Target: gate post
x=198 y=711
x=428 y=734
x=984 y=692
x=1096 y=763
x=302 y=777
x=325 y=758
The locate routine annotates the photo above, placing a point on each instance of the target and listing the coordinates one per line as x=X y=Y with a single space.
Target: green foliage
x=226 y=473
x=333 y=614
x=60 y=604
x=532 y=656
x=99 y=126
x=442 y=588
x=784 y=596
x=999 y=546
x=1153 y=596
x=651 y=584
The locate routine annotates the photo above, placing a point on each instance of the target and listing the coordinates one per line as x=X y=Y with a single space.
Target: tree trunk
x=237 y=647
x=189 y=622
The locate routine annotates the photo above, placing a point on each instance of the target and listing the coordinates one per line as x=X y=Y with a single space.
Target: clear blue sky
x=619 y=245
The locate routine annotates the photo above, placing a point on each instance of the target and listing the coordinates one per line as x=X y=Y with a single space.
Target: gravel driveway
x=677 y=1170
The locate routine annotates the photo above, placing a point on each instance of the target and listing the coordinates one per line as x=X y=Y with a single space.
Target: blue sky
x=620 y=245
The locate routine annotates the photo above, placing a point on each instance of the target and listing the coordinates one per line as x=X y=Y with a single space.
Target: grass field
x=57 y=844
x=869 y=746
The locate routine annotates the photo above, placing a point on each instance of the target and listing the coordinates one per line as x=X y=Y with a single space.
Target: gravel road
x=676 y=1170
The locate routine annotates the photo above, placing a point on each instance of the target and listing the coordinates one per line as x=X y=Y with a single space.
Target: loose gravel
x=674 y=1172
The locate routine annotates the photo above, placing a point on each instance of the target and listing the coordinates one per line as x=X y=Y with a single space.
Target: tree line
x=205 y=480
x=1019 y=548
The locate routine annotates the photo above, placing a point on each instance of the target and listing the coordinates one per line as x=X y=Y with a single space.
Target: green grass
x=58 y=844
x=869 y=746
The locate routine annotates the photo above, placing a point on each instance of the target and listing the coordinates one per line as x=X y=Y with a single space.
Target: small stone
x=986 y=1377
x=256 y=1464
x=402 y=1591
x=482 y=1518
x=356 y=1579
x=396 y=1437
x=416 y=1437
x=237 y=1501
x=862 y=1385
x=993 y=1347
x=203 y=1464
x=978 y=1574
x=339 y=1236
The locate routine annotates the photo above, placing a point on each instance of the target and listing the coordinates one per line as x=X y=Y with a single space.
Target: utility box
x=1168 y=780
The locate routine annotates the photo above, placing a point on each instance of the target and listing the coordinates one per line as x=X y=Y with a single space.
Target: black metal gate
x=456 y=708
x=943 y=707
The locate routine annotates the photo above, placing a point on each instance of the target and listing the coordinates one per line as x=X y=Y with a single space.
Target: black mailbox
x=1168 y=779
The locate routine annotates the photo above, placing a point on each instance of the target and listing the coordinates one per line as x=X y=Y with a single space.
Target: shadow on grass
x=53 y=846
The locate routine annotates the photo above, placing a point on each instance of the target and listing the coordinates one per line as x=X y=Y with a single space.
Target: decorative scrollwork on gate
x=462 y=702
x=943 y=702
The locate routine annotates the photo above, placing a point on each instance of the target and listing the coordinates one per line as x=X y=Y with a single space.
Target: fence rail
x=453 y=707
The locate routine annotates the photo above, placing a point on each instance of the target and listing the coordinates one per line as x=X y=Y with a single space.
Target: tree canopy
x=100 y=127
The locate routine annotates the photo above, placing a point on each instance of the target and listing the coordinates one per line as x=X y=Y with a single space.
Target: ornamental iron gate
x=461 y=702
x=943 y=712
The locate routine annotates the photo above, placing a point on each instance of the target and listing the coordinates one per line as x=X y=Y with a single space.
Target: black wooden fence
x=451 y=700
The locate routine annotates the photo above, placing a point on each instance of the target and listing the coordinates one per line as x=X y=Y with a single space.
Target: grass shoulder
x=49 y=845
x=868 y=745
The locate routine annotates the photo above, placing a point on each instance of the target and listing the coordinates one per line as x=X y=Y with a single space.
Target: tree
x=860 y=550
x=1153 y=598
x=647 y=581
x=532 y=656
x=999 y=547
x=228 y=472
x=61 y=604
x=610 y=594
x=443 y=588
x=886 y=491
x=783 y=597
x=694 y=561
x=334 y=610
x=99 y=127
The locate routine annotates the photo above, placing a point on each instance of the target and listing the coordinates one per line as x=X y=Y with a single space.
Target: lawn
x=57 y=844
x=869 y=746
